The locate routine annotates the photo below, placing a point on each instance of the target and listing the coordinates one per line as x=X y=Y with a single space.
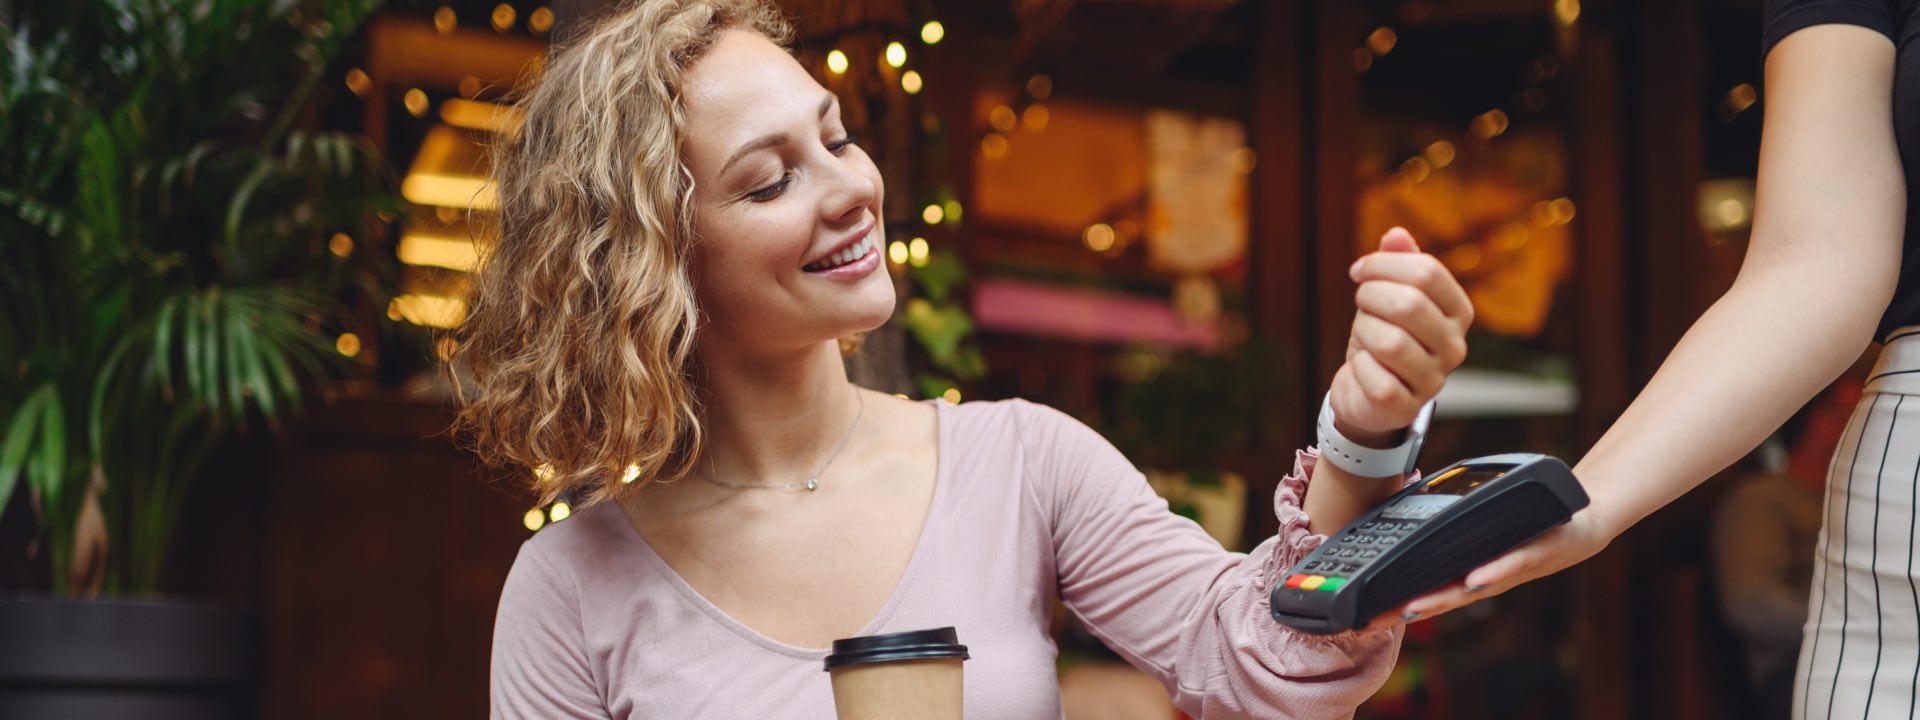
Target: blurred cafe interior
x=1140 y=212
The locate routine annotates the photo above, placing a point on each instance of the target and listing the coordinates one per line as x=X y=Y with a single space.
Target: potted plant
x=176 y=266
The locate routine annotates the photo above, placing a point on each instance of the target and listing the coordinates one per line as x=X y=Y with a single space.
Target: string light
x=1440 y=153
x=503 y=17
x=1490 y=124
x=1416 y=168
x=540 y=20
x=444 y=348
x=534 y=520
x=1040 y=87
x=560 y=511
x=393 y=310
x=416 y=102
x=1036 y=117
x=952 y=395
x=910 y=81
x=1382 y=40
x=896 y=54
x=1002 y=118
x=1741 y=97
x=347 y=344
x=994 y=146
x=358 y=82
x=1362 y=59
x=444 y=20
x=917 y=252
x=836 y=62
x=897 y=252
x=933 y=214
x=932 y=32
x=952 y=208
x=1243 y=160
x=340 y=244
x=470 y=86
x=1566 y=11
x=632 y=473
x=1098 y=237
x=543 y=473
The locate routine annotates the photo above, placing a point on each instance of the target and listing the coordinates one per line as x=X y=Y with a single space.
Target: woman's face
x=786 y=209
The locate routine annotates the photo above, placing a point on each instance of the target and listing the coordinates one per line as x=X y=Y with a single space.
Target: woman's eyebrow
x=771 y=139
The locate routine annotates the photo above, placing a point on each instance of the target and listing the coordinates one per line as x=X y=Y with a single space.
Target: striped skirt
x=1860 y=651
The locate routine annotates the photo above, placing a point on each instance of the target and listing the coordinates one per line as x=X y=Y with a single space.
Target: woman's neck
x=771 y=419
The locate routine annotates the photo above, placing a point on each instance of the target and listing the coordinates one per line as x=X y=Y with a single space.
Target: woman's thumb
x=1398 y=240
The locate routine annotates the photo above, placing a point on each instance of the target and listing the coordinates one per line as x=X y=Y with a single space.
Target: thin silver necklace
x=812 y=483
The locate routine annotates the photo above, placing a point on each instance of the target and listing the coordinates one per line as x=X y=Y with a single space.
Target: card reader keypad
x=1340 y=558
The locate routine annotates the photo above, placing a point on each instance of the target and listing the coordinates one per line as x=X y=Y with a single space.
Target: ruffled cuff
x=1294 y=541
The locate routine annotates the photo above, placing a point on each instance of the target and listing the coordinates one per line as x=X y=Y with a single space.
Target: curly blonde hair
x=577 y=346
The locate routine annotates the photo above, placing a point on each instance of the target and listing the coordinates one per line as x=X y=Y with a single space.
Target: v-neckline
x=879 y=620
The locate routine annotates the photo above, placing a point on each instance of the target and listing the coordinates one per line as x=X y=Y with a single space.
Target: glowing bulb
x=534 y=519
x=896 y=54
x=952 y=395
x=994 y=146
x=444 y=20
x=358 y=82
x=560 y=511
x=347 y=344
x=837 y=62
x=932 y=32
x=470 y=86
x=1098 y=237
x=917 y=252
x=632 y=474
x=1741 y=97
x=897 y=252
x=503 y=17
x=1036 y=117
x=1040 y=86
x=1566 y=11
x=543 y=473
x=541 y=20
x=953 y=211
x=1382 y=40
x=340 y=244
x=910 y=81
x=416 y=102
x=1244 y=160
x=1002 y=118
x=1440 y=153
x=933 y=214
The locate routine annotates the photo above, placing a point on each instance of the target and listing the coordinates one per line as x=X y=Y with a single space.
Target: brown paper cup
x=900 y=675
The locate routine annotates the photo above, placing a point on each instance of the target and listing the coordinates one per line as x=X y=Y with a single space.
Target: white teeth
x=856 y=251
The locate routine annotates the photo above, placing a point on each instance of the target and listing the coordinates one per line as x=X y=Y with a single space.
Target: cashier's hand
x=1409 y=333
x=1558 y=549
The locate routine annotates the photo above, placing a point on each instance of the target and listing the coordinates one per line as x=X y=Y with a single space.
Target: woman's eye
x=771 y=191
x=840 y=145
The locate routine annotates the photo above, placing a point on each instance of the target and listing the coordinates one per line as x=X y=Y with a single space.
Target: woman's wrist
x=1371 y=438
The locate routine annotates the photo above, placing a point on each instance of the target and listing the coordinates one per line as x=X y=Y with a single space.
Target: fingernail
x=1409 y=616
x=1475 y=588
x=1354 y=272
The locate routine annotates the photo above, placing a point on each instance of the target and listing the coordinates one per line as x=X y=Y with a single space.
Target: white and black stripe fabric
x=1860 y=651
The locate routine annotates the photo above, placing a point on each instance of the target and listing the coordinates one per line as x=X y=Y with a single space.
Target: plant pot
x=155 y=660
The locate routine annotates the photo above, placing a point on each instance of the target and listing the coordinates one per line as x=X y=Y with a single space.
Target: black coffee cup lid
x=936 y=644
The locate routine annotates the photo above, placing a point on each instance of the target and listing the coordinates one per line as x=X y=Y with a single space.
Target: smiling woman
x=687 y=229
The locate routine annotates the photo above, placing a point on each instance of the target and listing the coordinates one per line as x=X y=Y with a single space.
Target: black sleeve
x=1785 y=16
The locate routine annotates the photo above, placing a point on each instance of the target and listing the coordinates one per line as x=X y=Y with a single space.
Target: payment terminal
x=1425 y=536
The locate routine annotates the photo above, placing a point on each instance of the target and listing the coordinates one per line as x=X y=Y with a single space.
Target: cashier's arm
x=1409 y=332
x=1820 y=267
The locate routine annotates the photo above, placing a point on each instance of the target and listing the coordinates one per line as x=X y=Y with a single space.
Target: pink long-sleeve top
x=1030 y=506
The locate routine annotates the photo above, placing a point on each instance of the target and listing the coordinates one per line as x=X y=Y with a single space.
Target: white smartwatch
x=1362 y=461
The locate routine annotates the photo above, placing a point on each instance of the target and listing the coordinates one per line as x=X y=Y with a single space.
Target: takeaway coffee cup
x=899 y=675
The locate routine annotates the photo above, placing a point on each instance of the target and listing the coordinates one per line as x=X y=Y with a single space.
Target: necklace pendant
x=812 y=483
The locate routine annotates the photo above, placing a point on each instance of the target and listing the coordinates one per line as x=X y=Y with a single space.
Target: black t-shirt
x=1896 y=20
